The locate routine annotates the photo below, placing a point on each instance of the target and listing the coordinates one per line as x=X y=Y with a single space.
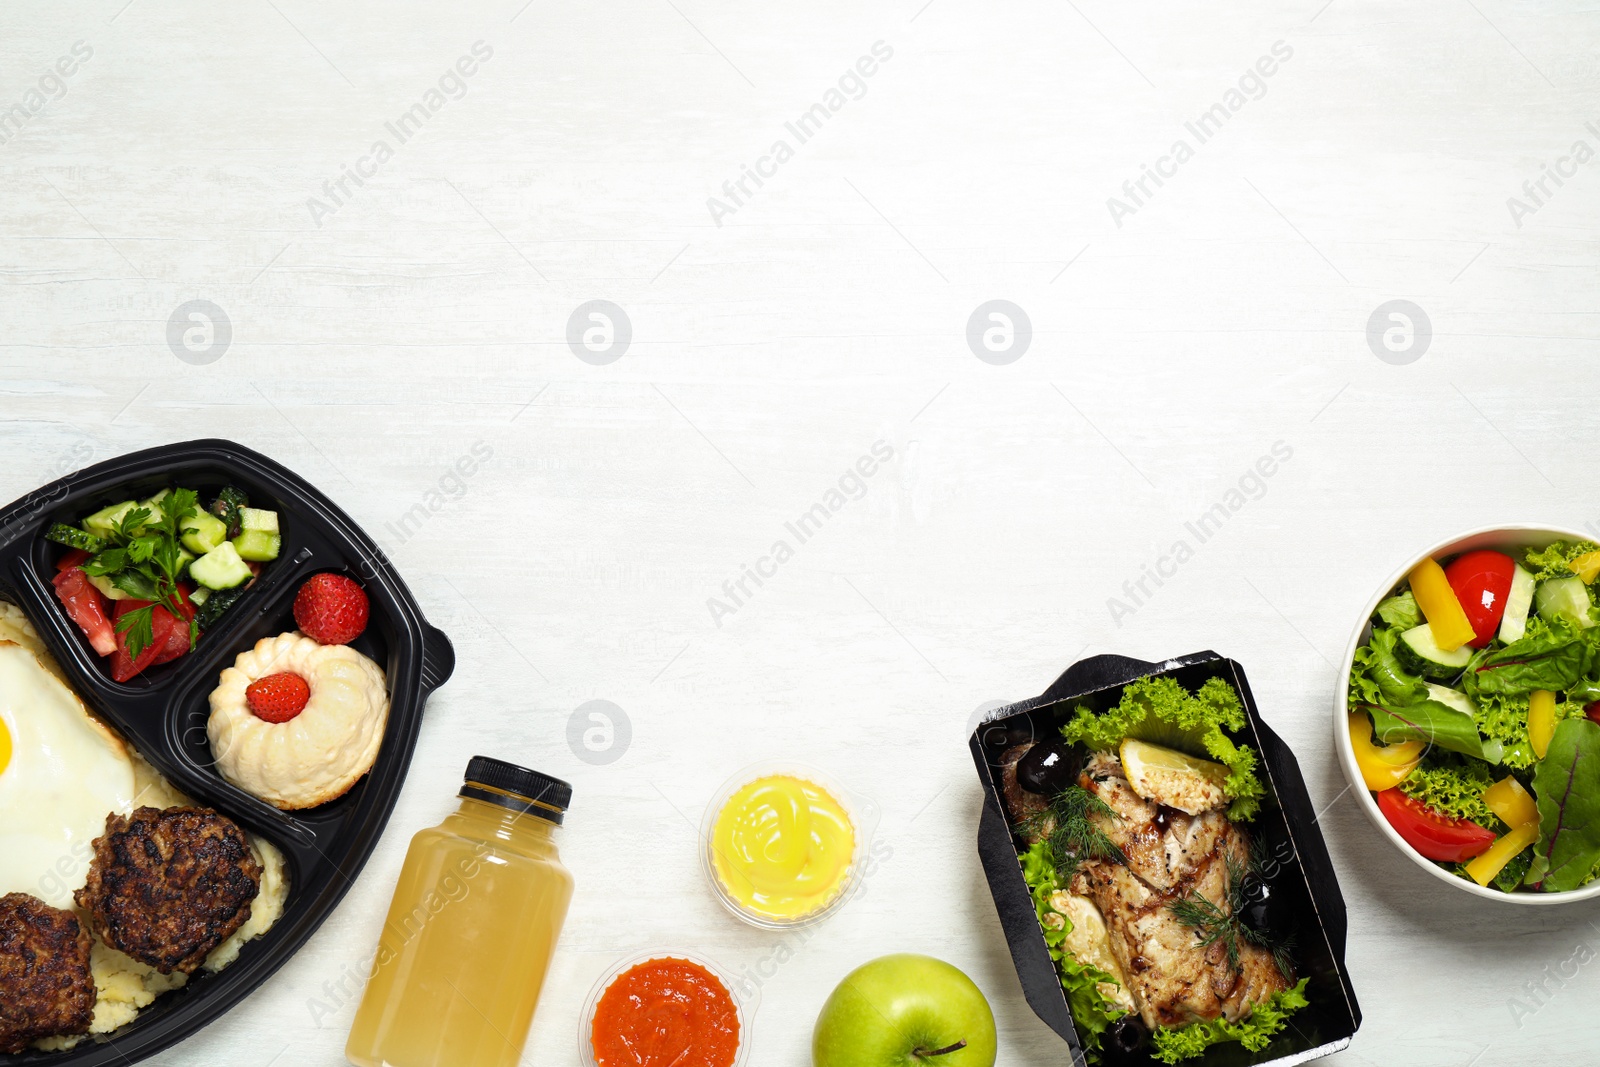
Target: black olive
x=1049 y=767
x=1124 y=1040
x=1264 y=911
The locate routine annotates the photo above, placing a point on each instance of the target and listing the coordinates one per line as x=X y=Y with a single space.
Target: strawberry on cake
x=298 y=719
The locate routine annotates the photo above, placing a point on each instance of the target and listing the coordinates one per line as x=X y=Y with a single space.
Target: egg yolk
x=782 y=847
x=5 y=746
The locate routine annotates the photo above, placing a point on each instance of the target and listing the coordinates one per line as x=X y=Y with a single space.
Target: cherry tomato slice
x=1437 y=837
x=1481 y=581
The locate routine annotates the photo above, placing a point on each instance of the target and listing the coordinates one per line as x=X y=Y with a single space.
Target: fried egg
x=61 y=773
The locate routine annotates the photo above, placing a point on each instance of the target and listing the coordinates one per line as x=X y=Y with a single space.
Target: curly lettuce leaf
x=1091 y=1011
x=1504 y=719
x=1454 y=788
x=1567 y=787
x=1555 y=561
x=1162 y=712
x=1400 y=612
x=1255 y=1031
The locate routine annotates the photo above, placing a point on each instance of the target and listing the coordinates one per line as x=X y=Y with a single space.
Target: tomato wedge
x=178 y=640
x=1482 y=581
x=124 y=666
x=72 y=557
x=1437 y=837
x=85 y=606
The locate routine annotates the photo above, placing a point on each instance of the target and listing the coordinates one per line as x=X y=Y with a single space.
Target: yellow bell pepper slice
x=1503 y=851
x=1513 y=804
x=1382 y=766
x=1586 y=566
x=1439 y=606
x=1541 y=720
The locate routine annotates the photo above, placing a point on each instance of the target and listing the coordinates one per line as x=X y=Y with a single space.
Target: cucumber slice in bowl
x=1418 y=650
x=1566 y=598
x=221 y=568
x=1514 y=623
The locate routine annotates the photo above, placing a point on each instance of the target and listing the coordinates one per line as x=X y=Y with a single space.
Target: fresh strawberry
x=85 y=606
x=331 y=609
x=277 y=697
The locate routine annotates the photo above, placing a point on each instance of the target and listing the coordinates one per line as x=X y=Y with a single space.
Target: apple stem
x=924 y=1054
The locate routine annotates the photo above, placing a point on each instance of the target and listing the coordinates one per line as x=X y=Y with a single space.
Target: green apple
x=905 y=1011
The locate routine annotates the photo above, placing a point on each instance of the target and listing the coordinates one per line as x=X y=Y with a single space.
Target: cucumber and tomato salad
x=166 y=569
x=1475 y=714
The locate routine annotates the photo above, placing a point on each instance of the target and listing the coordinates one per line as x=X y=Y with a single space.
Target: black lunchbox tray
x=1287 y=821
x=162 y=712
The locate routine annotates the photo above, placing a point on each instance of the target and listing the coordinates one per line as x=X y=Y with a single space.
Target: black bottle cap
x=517 y=788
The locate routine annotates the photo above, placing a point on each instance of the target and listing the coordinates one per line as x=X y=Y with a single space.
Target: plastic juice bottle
x=470 y=931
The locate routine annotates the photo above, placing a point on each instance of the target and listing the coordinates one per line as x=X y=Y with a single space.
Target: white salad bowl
x=1505 y=538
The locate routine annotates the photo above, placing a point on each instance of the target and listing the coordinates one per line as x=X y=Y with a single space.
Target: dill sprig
x=1068 y=825
x=1215 y=922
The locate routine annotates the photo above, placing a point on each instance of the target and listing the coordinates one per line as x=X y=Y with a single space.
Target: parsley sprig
x=142 y=557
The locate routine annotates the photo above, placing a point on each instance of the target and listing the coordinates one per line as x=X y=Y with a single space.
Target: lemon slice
x=1176 y=779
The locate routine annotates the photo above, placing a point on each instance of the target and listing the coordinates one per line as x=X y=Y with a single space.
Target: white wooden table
x=378 y=334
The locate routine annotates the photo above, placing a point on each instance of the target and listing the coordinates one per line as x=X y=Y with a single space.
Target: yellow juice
x=782 y=847
x=468 y=938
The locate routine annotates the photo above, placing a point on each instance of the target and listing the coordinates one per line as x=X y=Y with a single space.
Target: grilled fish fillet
x=1170 y=855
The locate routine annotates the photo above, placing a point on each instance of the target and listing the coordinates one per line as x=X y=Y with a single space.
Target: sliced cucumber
x=72 y=537
x=199 y=596
x=108 y=588
x=1454 y=699
x=203 y=531
x=155 y=506
x=1514 y=623
x=1418 y=650
x=104 y=521
x=257 y=545
x=258 y=519
x=216 y=603
x=185 y=557
x=1564 y=597
x=221 y=568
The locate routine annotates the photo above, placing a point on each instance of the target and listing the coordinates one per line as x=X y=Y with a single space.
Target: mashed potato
x=123 y=986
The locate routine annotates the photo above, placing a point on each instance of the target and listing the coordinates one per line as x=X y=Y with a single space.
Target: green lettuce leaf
x=1091 y=1011
x=1436 y=723
x=1255 y=1031
x=1162 y=712
x=1453 y=787
x=1554 y=655
x=1554 y=561
x=1400 y=612
x=1567 y=786
x=1378 y=678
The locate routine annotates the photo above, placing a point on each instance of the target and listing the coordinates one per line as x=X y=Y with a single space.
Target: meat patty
x=44 y=973
x=1174 y=981
x=167 y=887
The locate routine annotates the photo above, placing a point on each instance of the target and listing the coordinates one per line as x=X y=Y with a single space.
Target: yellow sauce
x=782 y=847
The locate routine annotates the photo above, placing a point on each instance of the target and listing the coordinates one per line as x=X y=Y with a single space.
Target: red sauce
x=665 y=1013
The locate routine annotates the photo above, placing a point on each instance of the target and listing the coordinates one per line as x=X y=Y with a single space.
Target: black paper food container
x=1287 y=822
x=162 y=712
